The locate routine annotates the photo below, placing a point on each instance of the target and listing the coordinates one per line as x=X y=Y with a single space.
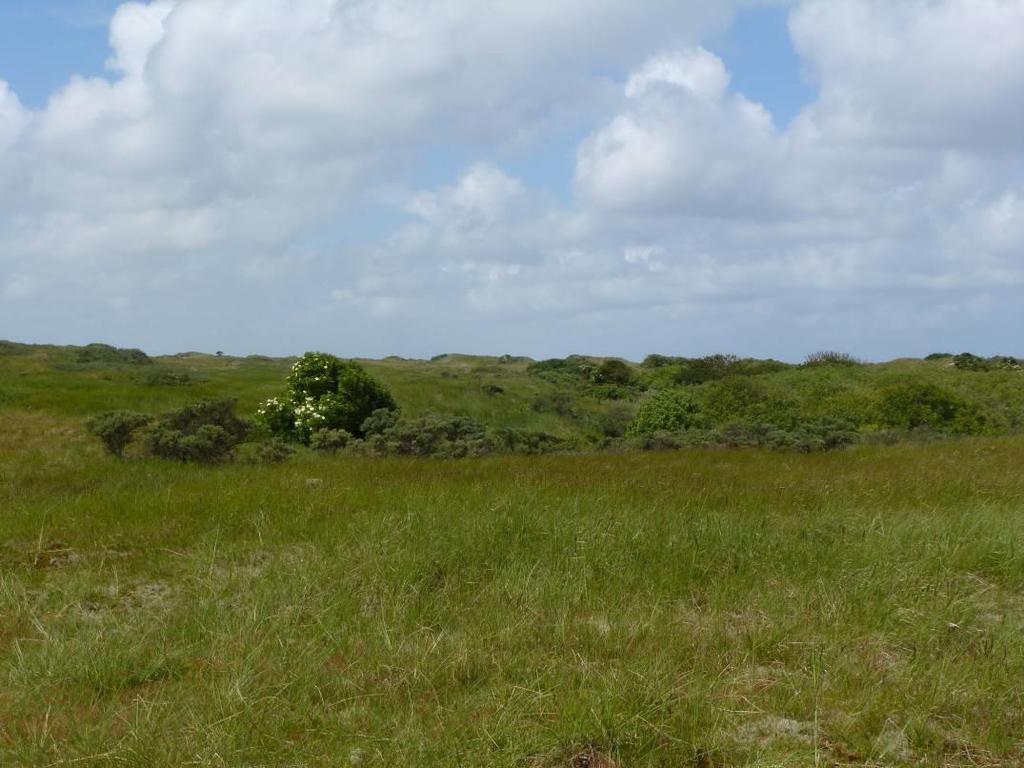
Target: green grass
x=699 y=608
x=695 y=608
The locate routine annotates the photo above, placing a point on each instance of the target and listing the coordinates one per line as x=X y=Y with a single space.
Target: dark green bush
x=209 y=444
x=734 y=398
x=165 y=377
x=205 y=433
x=965 y=361
x=925 y=406
x=559 y=402
x=116 y=429
x=613 y=372
x=431 y=435
x=273 y=451
x=104 y=353
x=669 y=411
x=330 y=440
x=379 y=422
x=615 y=421
x=831 y=357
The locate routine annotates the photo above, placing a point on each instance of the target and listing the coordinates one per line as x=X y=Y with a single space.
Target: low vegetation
x=307 y=584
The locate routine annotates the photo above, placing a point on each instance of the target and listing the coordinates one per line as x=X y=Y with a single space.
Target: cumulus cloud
x=230 y=134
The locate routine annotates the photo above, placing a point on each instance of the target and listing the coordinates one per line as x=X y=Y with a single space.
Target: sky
x=415 y=177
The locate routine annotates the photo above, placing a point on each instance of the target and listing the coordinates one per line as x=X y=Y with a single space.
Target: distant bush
x=613 y=372
x=204 y=433
x=273 y=451
x=925 y=406
x=116 y=429
x=379 y=422
x=831 y=357
x=330 y=440
x=431 y=435
x=669 y=411
x=104 y=353
x=939 y=356
x=572 y=367
x=324 y=392
x=615 y=421
x=733 y=398
x=521 y=441
x=660 y=361
x=968 y=362
x=493 y=389
x=559 y=402
x=716 y=367
x=164 y=377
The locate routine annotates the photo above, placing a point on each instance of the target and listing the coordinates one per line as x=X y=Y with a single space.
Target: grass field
x=697 y=608
x=702 y=608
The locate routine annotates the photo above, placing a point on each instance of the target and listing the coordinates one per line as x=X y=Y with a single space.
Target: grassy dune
x=698 y=608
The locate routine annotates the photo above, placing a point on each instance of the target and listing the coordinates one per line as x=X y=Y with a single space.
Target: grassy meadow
x=702 y=608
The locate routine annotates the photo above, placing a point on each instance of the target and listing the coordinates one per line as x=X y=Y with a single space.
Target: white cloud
x=231 y=133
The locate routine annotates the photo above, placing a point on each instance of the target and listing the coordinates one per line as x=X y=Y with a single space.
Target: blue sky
x=506 y=181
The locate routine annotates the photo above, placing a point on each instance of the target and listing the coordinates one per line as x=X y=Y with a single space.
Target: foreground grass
x=698 y=608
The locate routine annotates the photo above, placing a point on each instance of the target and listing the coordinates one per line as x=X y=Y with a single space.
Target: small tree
x=116 y=429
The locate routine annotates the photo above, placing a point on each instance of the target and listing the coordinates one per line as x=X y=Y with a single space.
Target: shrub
x=613 y=372
x=926 y=406
x=493 y=389
x=431 y=435
x=659 y=361
x=209 y=444
x=379 y=422
x=939 y=356
x=521 y=441
x=116 y=429
x=274 y=451
x=167 y=378
x=965 y=361
x=324 y=392
x=205 y=433
x=831 y=357
x=615 y=421
x=559 y=402
x=668 y=411
x=104 y=353
x=734 y=398
x=330 y=440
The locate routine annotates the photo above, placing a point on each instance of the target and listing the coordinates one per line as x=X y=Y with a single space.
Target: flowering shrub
x=324 y=393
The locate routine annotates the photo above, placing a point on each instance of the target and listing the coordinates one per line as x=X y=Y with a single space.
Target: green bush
x=273 y=451
x=831 y=357
x=165 y=377
x=615 y=421
x=613 y=372
x=104 y=353
x=209 y=444
x=914 y=406
x=205 y=433
x=330 y=440
x=668 y=411
x=116 y=429
x=429 y=435
x=734 y=398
